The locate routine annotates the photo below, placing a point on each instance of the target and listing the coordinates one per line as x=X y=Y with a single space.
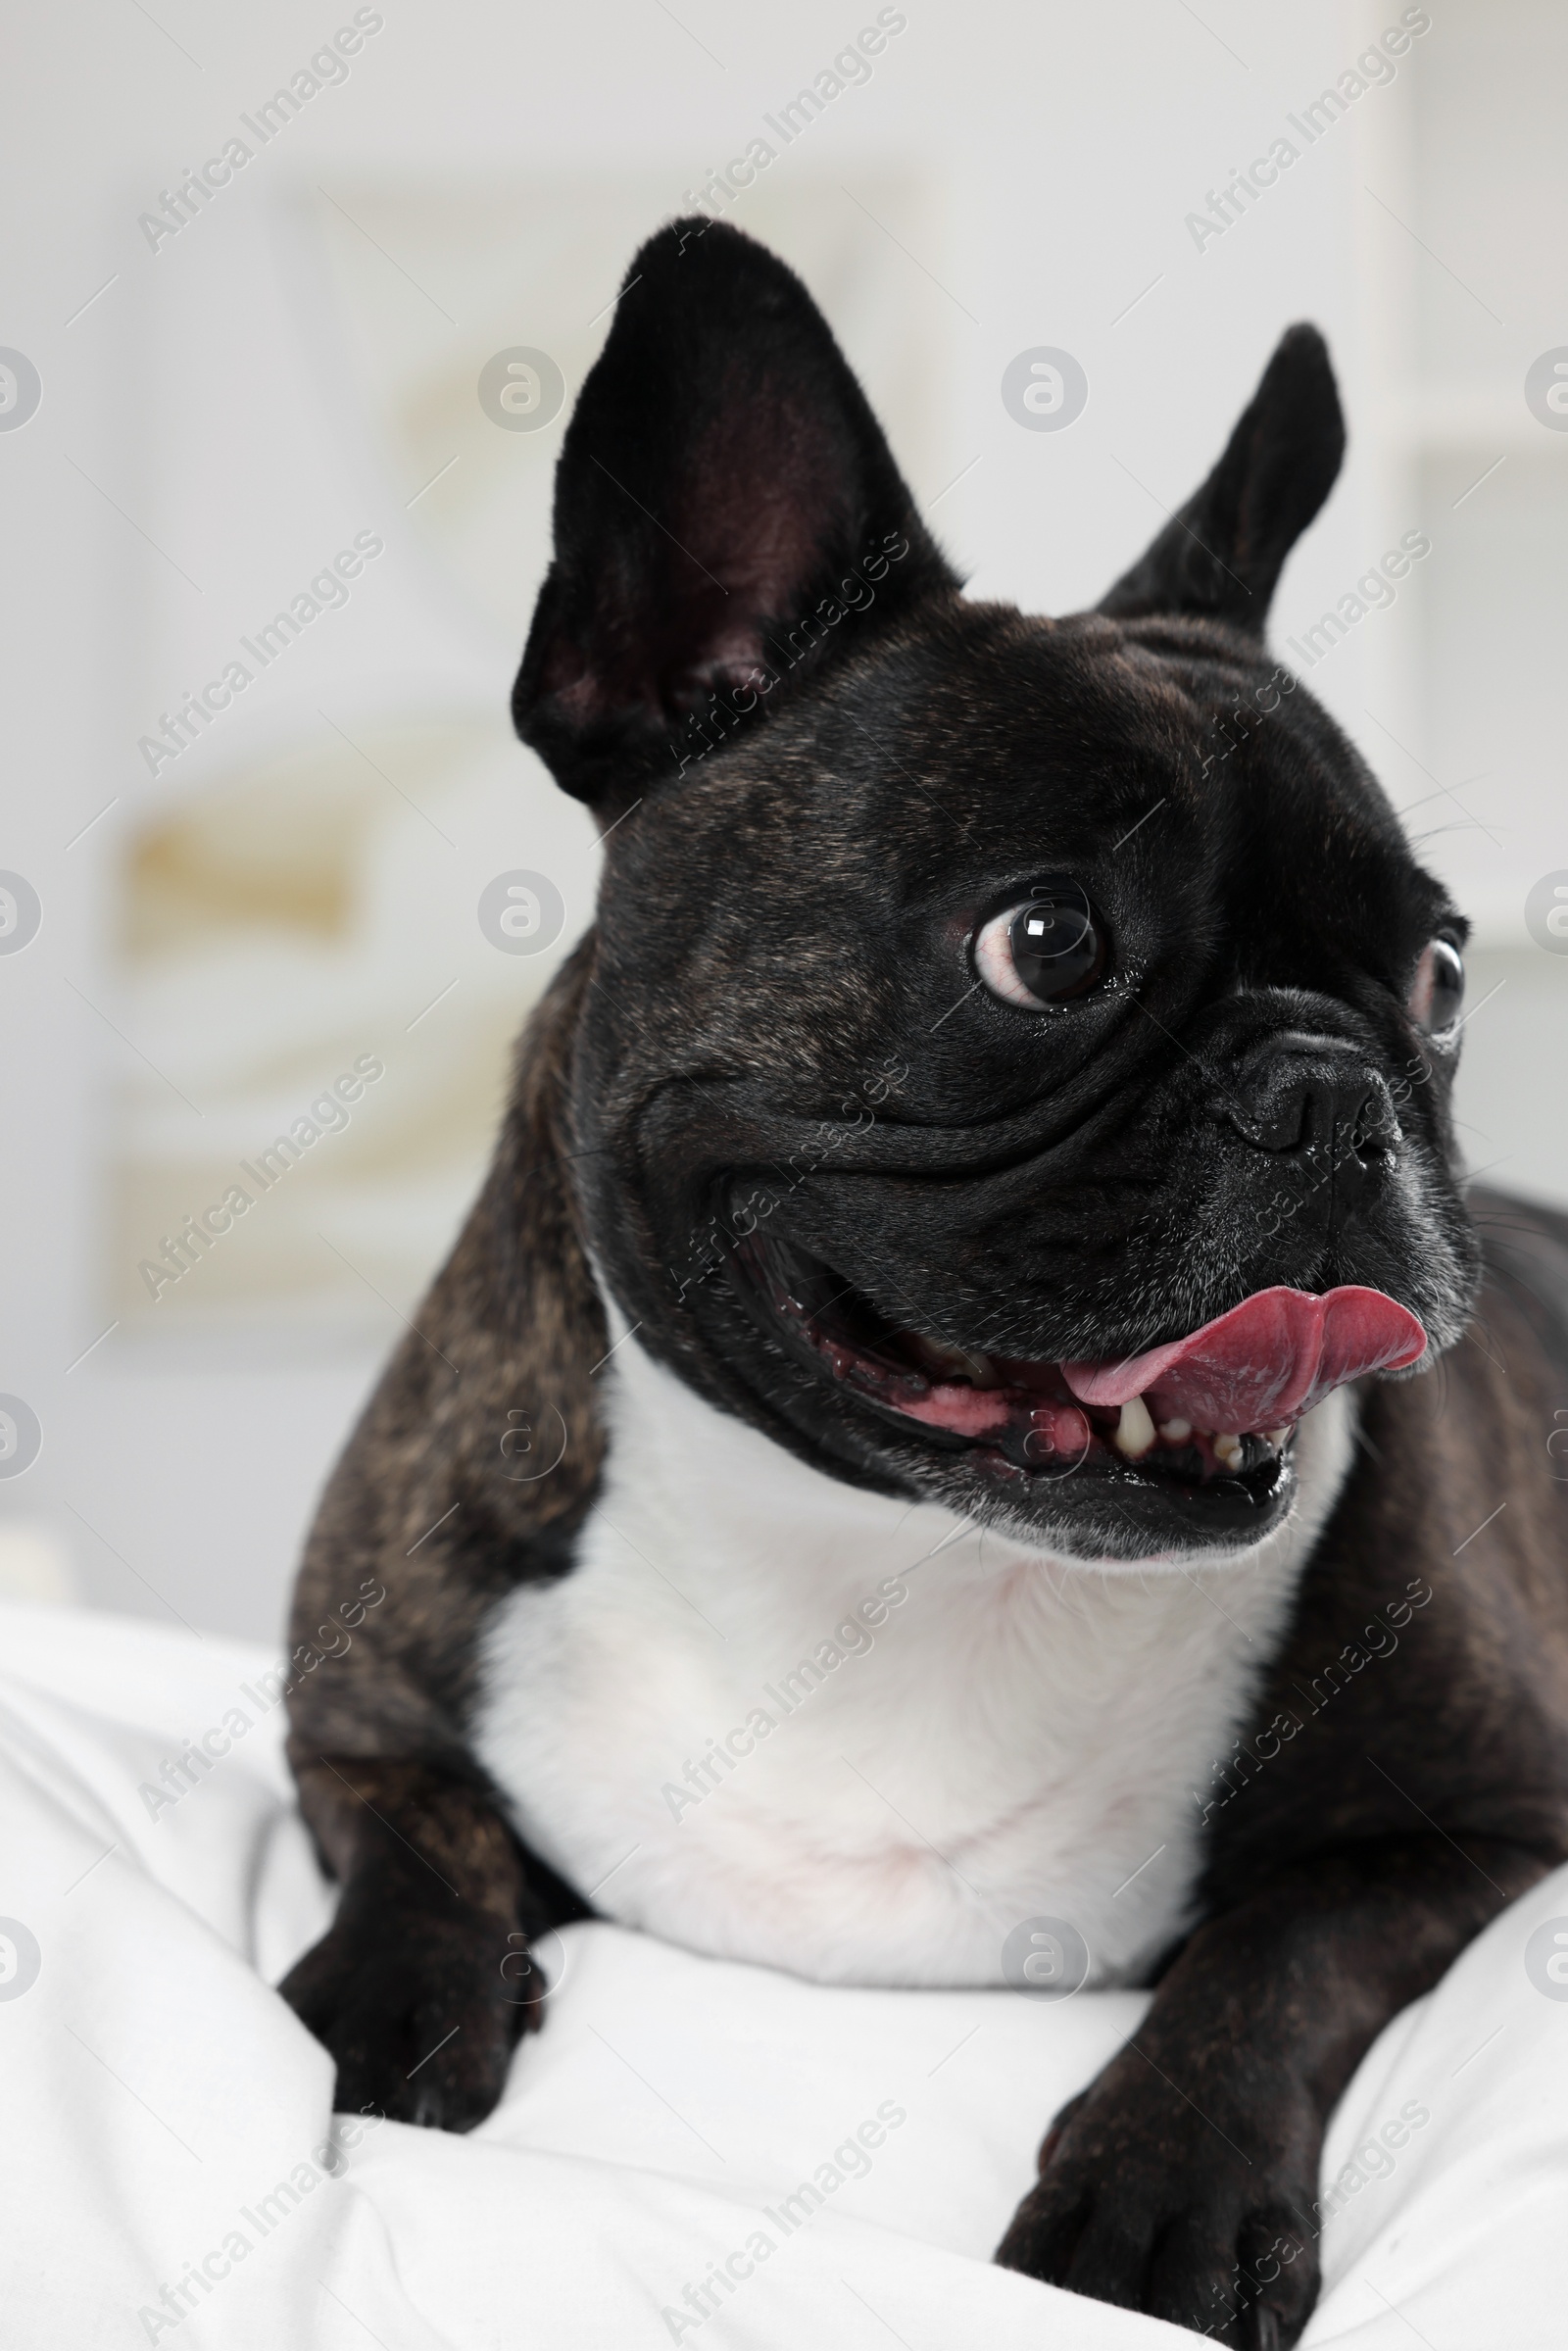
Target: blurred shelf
x=1458 y=422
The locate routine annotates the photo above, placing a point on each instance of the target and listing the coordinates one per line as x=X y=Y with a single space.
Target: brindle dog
x=829 y=1187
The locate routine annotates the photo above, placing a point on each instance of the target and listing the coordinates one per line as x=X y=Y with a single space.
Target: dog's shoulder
x=474 y=1462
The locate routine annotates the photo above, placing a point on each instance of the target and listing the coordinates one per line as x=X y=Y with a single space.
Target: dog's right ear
x=1221 y=557
x=728 y=518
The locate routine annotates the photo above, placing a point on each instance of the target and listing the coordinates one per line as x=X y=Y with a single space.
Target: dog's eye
x=1439 y=986
x=1044 y=952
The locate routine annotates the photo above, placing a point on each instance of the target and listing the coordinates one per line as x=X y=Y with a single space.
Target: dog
x=964 y=1439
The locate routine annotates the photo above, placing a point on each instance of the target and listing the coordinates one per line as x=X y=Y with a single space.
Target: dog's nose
x=1316 y=1097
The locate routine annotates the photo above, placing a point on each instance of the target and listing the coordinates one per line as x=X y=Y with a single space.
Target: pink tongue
x=1267 y=1361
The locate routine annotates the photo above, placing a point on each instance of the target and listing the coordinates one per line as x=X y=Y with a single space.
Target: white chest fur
x=726 y=1726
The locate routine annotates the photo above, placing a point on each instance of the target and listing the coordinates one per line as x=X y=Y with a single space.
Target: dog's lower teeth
x=1135 y=1430
x=1227 y=1449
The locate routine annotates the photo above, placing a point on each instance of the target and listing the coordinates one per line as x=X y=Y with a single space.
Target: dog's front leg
x=1184 y=2181
x=423 y=1983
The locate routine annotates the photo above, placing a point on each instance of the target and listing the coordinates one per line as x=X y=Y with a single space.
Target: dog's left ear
x=1221 y=557
x=728 y=521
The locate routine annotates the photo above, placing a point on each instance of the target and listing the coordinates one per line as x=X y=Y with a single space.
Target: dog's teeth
x=1227 y=1449
x=1175 y=1432
x=1277 y=1437
x=1135 y=1430
x=954 y=1362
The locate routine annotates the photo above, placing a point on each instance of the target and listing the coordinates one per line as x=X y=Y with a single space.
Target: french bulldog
x=974 y=1433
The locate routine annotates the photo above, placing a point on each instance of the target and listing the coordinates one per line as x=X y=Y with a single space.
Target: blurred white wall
x=219 y=414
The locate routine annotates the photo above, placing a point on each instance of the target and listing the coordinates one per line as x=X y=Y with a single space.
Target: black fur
x=823 y=770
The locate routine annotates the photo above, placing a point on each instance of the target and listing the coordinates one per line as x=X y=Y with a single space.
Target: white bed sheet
x=157 y=2091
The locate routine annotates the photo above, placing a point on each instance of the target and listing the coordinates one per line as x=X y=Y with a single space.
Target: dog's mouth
x=1205 y=1421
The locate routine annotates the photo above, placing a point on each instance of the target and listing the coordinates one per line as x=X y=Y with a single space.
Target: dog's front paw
x=1204 y=2219
x=420 y=2009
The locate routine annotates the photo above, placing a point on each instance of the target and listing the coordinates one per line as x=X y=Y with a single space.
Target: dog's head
x=981 y=1005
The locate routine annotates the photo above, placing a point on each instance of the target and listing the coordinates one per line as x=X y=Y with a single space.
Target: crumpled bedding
x=174 y=2174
